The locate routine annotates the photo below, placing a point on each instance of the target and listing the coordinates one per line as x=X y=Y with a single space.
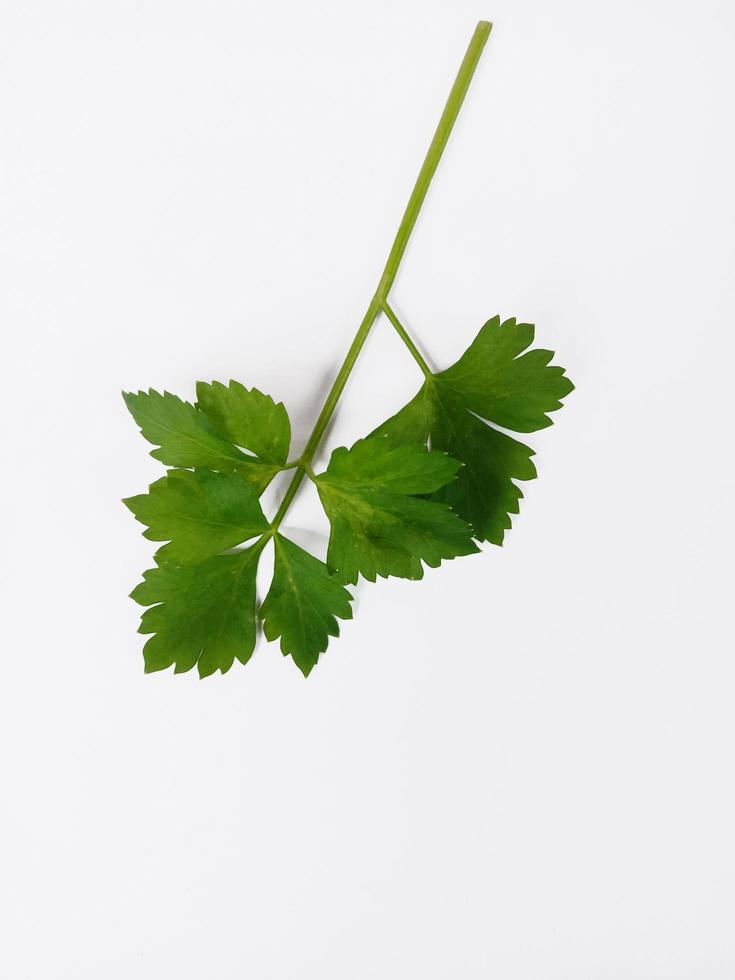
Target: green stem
x=433 y=155
x=401 y=331
x=410 y=215
x=327 y=410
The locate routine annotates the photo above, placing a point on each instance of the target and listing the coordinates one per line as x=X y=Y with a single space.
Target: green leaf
x=187 y=438
x=495 y=380
x=303 y=604
x=201 y=513
x=203 y=614
x=377 y=526
x=248 y=418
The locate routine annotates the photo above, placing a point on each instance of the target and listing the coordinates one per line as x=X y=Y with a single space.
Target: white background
x=520 y=767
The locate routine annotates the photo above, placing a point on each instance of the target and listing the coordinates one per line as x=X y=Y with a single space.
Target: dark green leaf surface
x=377 y=526
x=496 y=381
x=303 y=604
x=203 y=614
x=187 y=438
x=247 y=418
x=200 y=513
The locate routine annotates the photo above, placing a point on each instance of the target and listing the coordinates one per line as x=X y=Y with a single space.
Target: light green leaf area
x=200 y=513
x=377 y=526
x=187 y=438
x=202 y=614
x=303 y=604
x=247 y=418
x=495 y=380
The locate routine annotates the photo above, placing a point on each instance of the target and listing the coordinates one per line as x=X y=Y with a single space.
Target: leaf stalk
x=403 y=334
x=379 y=301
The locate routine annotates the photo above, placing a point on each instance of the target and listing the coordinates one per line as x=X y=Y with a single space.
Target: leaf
x=187 y=438
x=248 y=418
x=201 y=513
x=377 y=526
x=204 y=613
x=303 y=604
x=490 y=380
x=496 y=383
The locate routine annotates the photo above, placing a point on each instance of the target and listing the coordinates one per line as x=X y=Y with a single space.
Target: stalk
x=378 y=303
x=403 y=334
